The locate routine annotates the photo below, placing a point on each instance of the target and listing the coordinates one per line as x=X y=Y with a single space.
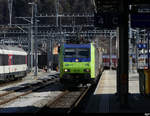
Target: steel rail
x=57 y=98
x=32 y=87
x=75 y=104
x=11 y=82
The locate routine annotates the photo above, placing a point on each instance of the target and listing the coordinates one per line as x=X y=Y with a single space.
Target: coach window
x=5 y=59
x=13 y=59
x=1 y=60
x=19 y=59
x=16 y=59
x=22 y=59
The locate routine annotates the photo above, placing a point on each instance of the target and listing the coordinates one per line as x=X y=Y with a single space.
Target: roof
x=13 y=48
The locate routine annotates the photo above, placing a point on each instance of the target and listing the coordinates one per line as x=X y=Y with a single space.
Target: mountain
x=22 y=8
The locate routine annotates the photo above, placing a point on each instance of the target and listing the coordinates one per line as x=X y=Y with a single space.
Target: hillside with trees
x=45 y=7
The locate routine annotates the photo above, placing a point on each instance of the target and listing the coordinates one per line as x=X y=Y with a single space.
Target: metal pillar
x=130 y=55
x=123 y=53
x=10 y=4
x=117 y=72
x=110 y=42
x=57 y=12
x=137 y=51
x=32 y=41
x=51 y=53
x=148 y=49
x=144 y=52
x=130 y=45
x=48 y=54
x=29 y=48
x=35 y=39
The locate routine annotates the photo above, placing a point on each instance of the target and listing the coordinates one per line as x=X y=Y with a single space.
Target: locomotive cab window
x=83 y=52
x=69 y=53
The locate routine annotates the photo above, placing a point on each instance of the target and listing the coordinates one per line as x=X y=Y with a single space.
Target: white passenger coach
x=13 y=62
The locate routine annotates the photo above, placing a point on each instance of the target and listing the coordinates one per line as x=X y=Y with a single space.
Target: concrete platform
x=104 y=99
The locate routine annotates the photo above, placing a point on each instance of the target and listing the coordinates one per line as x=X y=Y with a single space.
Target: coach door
x=9 y=63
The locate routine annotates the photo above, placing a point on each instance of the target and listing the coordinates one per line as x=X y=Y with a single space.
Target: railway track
x=2 y=84
x=66 y=102
x=25 y=90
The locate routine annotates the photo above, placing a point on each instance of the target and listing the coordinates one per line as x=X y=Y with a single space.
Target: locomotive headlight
x=77 y=60
x=86 y=70
x=66 y=70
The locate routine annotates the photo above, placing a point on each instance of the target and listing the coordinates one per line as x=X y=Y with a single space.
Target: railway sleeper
x=80 y=105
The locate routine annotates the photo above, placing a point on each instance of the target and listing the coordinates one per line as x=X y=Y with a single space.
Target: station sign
x=140 y=20
x=133 y=2
x=142 y=46
x=107 y=15
x=106 y=20
x=107 y=5
x=139 y=46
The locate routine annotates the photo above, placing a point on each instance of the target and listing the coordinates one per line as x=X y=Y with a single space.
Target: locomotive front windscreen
x=77 y=53
x=69 y=53
x=83 y=53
